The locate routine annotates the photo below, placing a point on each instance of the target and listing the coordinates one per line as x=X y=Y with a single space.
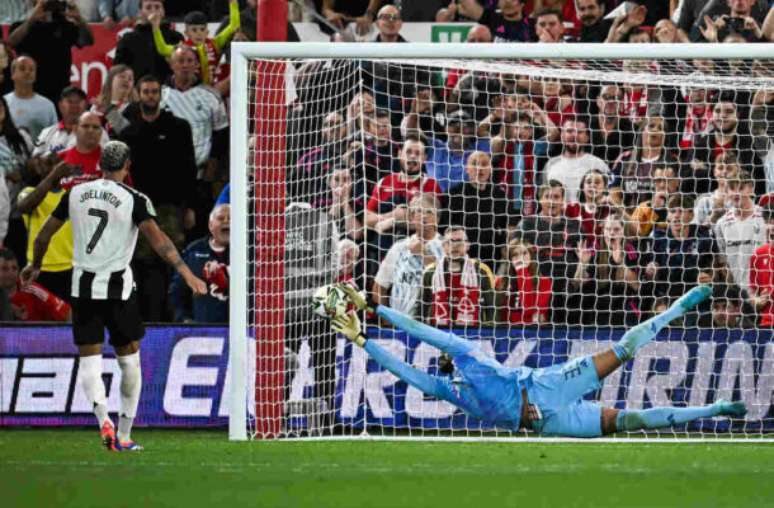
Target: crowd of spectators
x=462 y=197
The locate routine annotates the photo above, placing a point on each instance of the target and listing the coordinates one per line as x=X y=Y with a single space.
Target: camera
x=735 y=24
x=56 y=7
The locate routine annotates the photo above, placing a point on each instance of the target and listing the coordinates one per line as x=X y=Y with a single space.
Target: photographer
x=48 y=34
x=720 y=19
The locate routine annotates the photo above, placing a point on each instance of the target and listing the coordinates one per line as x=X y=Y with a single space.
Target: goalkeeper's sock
x=659 y=417
x=131 y=385
x=91 y=378
x=638 y=336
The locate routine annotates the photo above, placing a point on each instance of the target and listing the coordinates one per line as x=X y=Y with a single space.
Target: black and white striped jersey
x=105 y=215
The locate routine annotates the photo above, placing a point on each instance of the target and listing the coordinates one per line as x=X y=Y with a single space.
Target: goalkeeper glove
x=354 y=296
x=349 y=326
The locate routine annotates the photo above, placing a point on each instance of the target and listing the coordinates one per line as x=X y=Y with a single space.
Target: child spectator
x=592 y=207
x=458 y=290
x=209 y=49
x=651 y=215
x=608 y=278
x=524 y=294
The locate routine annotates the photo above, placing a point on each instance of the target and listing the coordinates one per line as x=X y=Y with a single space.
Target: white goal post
x=273 y=388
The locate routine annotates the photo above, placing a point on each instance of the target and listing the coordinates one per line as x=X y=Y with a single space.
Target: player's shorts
x=558 y=391
x=121 y=318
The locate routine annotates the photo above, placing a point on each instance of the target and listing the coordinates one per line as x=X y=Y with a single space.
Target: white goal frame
x=243 y=52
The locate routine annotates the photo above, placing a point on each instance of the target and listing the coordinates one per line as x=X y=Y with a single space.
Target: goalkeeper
x=547 y=400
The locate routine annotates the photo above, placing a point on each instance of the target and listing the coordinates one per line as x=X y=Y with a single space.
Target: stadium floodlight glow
x=308 y=119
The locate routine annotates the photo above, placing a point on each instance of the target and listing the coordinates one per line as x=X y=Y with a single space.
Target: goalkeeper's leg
x=615 y=420
x=638 y=336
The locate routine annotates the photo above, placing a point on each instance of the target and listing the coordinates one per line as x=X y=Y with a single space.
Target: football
x=329 y=301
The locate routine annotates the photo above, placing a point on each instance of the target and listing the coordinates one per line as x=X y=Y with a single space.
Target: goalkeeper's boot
x=726 y=408
x=129 y=446
x=354 y=296
x=108 y=433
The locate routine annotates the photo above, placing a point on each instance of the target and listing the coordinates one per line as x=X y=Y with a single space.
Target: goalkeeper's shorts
x=558 y=391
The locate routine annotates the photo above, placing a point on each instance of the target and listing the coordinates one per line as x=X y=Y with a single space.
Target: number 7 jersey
x=105 y=216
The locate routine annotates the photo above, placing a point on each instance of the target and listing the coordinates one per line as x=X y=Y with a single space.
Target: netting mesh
x=536 y=208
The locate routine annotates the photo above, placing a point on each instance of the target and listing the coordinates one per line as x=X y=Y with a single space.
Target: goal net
x=538 y=206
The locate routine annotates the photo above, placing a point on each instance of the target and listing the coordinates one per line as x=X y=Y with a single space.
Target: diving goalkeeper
x=546 y=400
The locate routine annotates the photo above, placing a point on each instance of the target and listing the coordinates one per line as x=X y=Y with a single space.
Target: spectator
x=594 y=26
x=389 y=23
x=611 y=134
x=15 y=150
x=27 y=303
x=666 y=32
x=426 y=119
x=557 y=99
x=36 y=204
x=116 y=94
x=136 y=47
x=592 y=208
x=625 y=24
x=339 y=13
x=208 y=120
x=208 y=259
x=520 y=153
x=84 y=155
x=682 y=255
x=651 y=215
x=6 y=56
x=361 y=107
x=378 y=157
x=342 y=209
x=118 y=12
x=310 y=262
x=348 y=254
x=524 y=294
x=762 y=273
x=458 y=290
x=208 y=49
x=505 y=20
x=61 y=136
x=309 y=183
x=158 y=139
x=482 y=208
x=727 y=309
x=399 y=280
x=446 y=165
x=569 y=167
x=741 y=230
x=549 y=26
x=553 y=235
x=479 y=34
x=640 y=101
x=638 y=35
x=718 y=20
x=608 y=278
x=712 y=206
x=387 y=204
x=726 y=133
x=28 y=109
x=48 y=36
x=695 y=118
x=632 y=181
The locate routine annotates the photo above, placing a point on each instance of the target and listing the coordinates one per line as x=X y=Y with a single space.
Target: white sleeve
x=219 y=115
x=719 y=236
x=5 y=209
x=387 y=268
x=42 y=144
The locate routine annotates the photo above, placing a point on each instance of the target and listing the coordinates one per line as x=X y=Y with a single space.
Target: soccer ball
x=329 y=301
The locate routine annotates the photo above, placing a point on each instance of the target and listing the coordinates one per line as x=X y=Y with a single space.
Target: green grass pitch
x=68 y=468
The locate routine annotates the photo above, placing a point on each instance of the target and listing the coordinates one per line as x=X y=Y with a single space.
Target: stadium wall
x=185 y=375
